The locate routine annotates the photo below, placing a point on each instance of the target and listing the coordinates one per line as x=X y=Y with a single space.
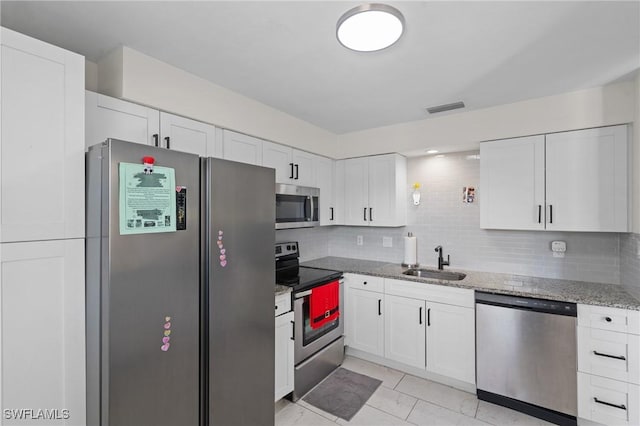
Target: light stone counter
x=282 y=289
x=610 y=295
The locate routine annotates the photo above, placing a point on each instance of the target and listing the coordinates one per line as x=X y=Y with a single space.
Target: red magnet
x=148 y=163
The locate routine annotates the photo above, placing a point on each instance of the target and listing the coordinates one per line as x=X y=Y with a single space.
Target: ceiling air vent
x=445 y=107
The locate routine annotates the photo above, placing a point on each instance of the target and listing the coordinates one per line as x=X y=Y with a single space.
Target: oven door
x=308 y=340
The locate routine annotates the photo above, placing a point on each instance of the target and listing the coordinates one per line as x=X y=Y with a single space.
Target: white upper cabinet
x=242 y=148
x=375 y=191
x=108 y=117
x=587 y=180
x=325 y=178
x=338 y=193
x=569 y=181
x=512 y=183
x=42 y=141
x=292 y=166
x=183 y=134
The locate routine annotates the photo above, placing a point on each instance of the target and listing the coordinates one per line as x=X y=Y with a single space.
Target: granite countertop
x=600 y=294
x=282 y=289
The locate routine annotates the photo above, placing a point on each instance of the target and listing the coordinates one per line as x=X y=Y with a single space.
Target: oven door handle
x=306 y=293
x=302 y=294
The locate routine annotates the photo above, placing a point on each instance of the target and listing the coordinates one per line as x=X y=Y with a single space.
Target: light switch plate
x=359 y=240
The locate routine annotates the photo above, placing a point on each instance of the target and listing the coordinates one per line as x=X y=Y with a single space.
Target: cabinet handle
x=296 y=171
x=607 y=319
x=621 y=357
x=379 y=307
x=364 y=282
x=331 y=208
x=429 y=317
x=621 y=406
x=155 y=140
x=291 y=176
x=550 y=213
x=365 y=214
x=420 y=315
x=371 y=214
x=168 y=140
x=539 y=213
x=293 y=330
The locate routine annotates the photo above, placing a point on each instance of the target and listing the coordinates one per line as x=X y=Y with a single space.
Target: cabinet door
x=356 y=191
x=451 y=341
x=278 y=157
x=338 y=193
x=184 y=134
x=587 y=180
x=325 y=171
x=387 y=192
x=242 y=148
x=512 y=183
x=304 y=168
x=42 y=325
x=108 y=117
x=284 y=355
x=42 y=132
x=364 y=322
x=404 y=326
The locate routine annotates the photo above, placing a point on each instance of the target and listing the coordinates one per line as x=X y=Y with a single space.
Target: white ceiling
x=285 y=54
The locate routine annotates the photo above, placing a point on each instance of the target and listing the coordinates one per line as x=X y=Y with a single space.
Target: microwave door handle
x=311 y=210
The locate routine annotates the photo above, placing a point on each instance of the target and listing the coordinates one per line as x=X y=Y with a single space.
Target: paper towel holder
x=410 y=265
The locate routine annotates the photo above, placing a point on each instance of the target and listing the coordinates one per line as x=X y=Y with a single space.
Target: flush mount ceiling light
x=370 y=27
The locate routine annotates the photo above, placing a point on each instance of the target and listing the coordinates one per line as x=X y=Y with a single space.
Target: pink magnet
x=220 y=232
x=219 y=237
x=219 y=243
x=166 y=339
x=223 y=251
x=165 y=347
x=223 y=257
x=167 y=325
x=223 y=263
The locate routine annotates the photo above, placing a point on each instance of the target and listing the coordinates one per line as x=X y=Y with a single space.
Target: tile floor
x=403 y=399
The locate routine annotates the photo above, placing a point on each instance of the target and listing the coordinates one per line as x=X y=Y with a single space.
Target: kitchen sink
x=435 y=273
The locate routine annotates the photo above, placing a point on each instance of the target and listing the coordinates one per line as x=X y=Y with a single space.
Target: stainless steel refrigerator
x=180 y=269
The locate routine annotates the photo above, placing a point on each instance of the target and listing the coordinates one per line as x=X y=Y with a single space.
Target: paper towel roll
x=410 y=250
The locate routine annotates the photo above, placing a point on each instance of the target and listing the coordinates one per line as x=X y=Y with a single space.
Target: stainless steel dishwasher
x=526 y=355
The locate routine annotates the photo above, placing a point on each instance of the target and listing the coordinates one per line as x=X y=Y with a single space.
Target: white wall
x=154 y=83
x=90 y=76
x=601 y=106
x=636 y=159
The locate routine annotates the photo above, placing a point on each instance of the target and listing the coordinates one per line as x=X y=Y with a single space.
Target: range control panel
x=286 y=249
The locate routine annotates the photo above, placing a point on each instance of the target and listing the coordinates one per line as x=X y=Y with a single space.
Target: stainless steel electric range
x=319 y=349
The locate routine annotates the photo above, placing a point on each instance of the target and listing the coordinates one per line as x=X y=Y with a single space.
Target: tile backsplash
x=630 y=263
x=443 y=219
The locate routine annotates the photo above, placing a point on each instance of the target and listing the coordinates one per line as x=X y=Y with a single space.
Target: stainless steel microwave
x=296 y=206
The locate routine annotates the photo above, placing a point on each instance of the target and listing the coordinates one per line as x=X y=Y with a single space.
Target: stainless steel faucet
x=441 y=262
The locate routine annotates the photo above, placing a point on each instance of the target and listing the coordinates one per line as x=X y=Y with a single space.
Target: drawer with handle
x=364 y=282
x=612 y=319
x=283 y=303
x=609 y=354
x=606 y=401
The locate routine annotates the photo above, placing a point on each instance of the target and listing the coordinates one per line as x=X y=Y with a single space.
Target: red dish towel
x=324 y=304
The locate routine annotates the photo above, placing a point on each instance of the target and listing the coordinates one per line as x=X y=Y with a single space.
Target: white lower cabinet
x=42 y=328
x=430 y=328
x=451 y=341
x=284 y=355
x=609 y=402
x=404 y=330
x=364 y=321
x=608 y=365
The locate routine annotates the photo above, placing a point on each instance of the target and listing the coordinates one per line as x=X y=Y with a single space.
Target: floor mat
x=343 y=393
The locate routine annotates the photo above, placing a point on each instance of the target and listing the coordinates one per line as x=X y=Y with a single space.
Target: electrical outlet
x=387 y=242
x=359 y=240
